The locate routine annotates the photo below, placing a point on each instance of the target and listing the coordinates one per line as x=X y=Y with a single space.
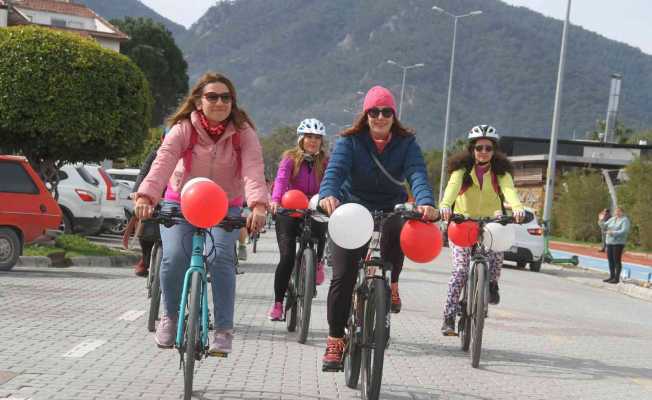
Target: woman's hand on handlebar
x=446 y=213
x=273 y=207
x=519 y=215
x=429 y=213
x=329 y=204
x=143 y=208
x=257 y=219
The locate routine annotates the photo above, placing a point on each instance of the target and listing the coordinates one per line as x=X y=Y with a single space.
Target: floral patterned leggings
x=461 y=259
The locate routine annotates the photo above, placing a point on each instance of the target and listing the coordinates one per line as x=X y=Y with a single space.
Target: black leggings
x=345 y=267
x=287 y=230
x=615 y=255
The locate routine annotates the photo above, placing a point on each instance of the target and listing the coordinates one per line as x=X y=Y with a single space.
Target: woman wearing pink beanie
x=353 y=176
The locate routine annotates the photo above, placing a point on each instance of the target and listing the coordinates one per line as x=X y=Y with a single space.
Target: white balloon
x=319 y=217
x=498 y=237
x=192 y=182
x=351 y=226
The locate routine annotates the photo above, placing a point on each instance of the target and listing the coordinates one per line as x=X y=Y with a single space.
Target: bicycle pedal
x=218 y=354
x=326 y=368
x=451 y=334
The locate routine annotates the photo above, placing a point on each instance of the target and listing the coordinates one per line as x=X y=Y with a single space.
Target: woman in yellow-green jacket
x=480 y=181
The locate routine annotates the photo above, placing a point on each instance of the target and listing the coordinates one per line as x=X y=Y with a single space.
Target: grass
x=73 y=246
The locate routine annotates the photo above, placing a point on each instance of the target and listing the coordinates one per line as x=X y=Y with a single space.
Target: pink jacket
x=217 y=161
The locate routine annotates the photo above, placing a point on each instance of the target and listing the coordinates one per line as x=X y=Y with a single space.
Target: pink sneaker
x=320 y=273
x=166 y=332
x=276 y=312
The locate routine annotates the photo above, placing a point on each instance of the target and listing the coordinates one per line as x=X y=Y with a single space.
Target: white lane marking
x=131 y=315
x=84 y=348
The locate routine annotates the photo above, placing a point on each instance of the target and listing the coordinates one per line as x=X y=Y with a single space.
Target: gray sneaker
x=166 y=332
x=242 y=252
x=222 y=343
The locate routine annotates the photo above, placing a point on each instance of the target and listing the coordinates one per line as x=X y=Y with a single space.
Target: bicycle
x=192 y=330
x=253 y=239
x=368 y=327
x=474 y=299
x=302 y=286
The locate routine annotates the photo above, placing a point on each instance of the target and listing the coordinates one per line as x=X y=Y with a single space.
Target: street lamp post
x=405 y=68
x=450 y=92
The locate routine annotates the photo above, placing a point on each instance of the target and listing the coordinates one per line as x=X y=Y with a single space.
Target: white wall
x=109 y=43
x=45 y=18
x=3 y=17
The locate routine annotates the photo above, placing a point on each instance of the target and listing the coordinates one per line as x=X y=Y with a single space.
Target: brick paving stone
x=551 y=338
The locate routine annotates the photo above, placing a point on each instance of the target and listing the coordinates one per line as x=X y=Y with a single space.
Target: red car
x=27 y=209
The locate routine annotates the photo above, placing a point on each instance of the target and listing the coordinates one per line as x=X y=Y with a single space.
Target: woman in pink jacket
x=210 y=137
x=301 y=168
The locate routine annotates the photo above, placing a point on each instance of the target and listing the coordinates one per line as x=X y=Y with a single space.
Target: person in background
x=616 y=229
x=604 y=217
x=301 y=168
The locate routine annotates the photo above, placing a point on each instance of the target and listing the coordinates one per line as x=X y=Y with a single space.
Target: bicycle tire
x=192 y=334
x=479 y=306
x=353 y=353
x=155 y=289
x=254 y=243
x=464 y=324
x=307 y=271
x=291 y=304
x=375 y=332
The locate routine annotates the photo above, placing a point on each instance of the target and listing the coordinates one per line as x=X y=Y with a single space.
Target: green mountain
x=292 y=59
x=132 y=8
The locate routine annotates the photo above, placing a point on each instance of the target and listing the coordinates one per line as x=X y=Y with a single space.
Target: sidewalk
x=592 y=251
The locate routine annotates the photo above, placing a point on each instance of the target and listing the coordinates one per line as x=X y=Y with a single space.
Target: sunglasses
x=375 y=112
x=213 y=97
x=486 y=148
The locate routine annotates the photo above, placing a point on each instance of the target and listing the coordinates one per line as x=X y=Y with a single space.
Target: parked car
x=528 y=248
x=115 y=200
x=124 y=175
x=80 y=199
x=27 y=209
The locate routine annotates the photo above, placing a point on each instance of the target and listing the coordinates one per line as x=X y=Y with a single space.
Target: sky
x=626 y=21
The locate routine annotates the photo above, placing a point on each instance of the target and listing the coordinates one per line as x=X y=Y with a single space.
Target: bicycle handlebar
x=175 y=216
x=503 y=219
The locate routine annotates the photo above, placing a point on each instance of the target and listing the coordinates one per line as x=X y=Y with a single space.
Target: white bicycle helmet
x=312 y=126
x=483 y=132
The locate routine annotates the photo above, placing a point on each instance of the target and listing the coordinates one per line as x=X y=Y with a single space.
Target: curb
x=85 y=261
x=594 y=279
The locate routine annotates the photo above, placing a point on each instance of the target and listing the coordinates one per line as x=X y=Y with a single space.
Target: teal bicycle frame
x=197 y=264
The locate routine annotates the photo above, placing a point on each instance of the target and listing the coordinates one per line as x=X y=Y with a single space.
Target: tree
x=635 y=197
x=153 y=49
x=433 y=166
x=581 y=195
x=622 y=134
x=64 y=98
x=274 y=145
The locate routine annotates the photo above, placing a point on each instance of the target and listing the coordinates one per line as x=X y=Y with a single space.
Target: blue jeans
x=177 y=249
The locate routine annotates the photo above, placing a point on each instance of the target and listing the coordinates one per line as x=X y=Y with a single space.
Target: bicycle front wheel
x=478 y=314
x=192 y=334
x=307 y=271
x=254 y=244
x=375 y=334
x=292 y=300
x=352 y=356
x=155 y=288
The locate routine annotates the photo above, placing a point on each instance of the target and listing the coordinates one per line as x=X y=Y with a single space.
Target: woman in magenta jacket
x=210 y=137
x=301 y=168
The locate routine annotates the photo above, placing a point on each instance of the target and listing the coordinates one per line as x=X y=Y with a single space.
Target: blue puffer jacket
x=352 y=176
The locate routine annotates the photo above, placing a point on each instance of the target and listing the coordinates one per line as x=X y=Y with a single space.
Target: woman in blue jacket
x=352 y=176
x=616 y=229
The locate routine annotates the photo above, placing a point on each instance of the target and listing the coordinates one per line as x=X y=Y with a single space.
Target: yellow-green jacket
x=476 y=202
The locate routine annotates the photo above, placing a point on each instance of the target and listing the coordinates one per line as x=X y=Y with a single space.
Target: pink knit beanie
x=379 y=96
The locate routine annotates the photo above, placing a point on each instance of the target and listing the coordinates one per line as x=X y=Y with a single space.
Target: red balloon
x=464 y=234
x=204 y=203
x=421 y=242
x=294 y=199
